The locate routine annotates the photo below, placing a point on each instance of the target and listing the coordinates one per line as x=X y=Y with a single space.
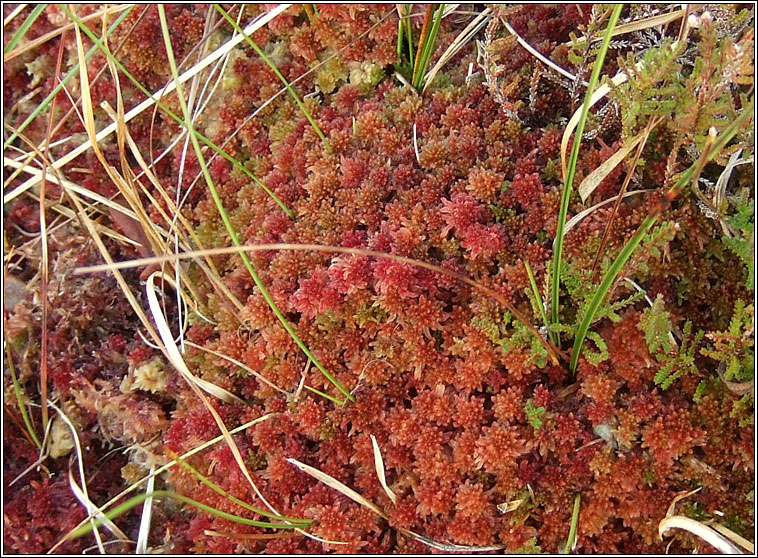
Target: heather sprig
x=629 y=248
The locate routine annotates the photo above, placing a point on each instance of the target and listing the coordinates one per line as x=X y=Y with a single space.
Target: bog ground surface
x=495 y=292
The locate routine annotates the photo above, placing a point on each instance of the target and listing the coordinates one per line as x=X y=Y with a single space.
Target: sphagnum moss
x=469 y=414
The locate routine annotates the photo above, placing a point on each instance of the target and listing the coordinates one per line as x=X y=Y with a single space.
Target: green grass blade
x=604 y=286
x=21 y=31
x=137 y=500
x=643 y=229
x=571 y=170
x=225 y=217
x=324 y=395
x=19 y=397
x=409 y=31
x=574 y=525
x=164 y=108
x=538 y=297
x=404 y=30
x=216 y=488
x=74 y=71
x=428 y=48
x=271 y=65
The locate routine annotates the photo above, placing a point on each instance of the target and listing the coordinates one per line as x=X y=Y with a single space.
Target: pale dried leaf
x=574 y=221
x=338 y=486
x=712 y=537
x=172 y=349
x=513 y=505
x=737 y=388
x=676 y=500
x=241 y=365
x=92 y=509
x=159 y=471
x=379 y=465
x=147 y=514
x=353 y=495
x=639 y=25
x=539 y=56
x=728 y=533
x=593 y=180
x=598 y=94
x=458 y=43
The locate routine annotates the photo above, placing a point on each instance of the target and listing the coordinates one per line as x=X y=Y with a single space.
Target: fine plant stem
x=72 y=72
x=216 y=488
x=21 y=31
x=170 y=113
x=225 y=217
x=137 y=500
x=426 y=47
x=309 y=12
x=630 y=172
x=421 y=41
x=567 y=185
x=19 y=395
x=44 y=254
x=538 y=299
x=409 y=29
x=551 y=350
x=643 y=229
x=324 y=395
x=574 y=525
x=432 y=41
x=399 y=39
x=273 y=67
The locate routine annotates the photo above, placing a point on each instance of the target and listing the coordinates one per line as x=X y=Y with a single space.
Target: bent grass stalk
x=552 y=351
x=18 y=391
x=163 y=336
x=225 y=217
x=198 y=67
x=158 y=494
x=273 y=67
x=31 y=44
x=155 y=473
x=216 y=488
x=643 y=229
x=567 y=185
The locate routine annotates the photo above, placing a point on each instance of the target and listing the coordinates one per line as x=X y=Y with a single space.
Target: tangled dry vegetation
x=495 y=290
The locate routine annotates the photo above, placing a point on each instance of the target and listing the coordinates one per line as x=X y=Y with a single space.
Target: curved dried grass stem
x=553 y=352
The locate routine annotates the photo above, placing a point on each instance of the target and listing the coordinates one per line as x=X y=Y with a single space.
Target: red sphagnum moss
x=466 y=407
